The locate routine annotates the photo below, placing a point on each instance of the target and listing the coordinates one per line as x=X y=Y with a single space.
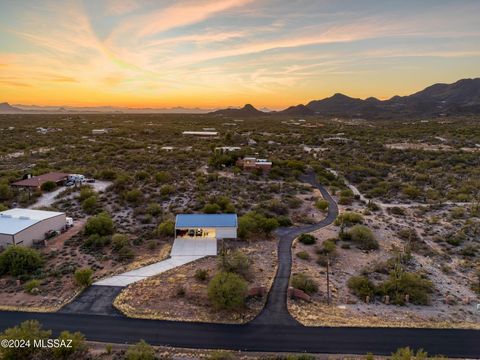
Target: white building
x=24 y=226
x=206 y=226
x=201 y=133
x=99 y=131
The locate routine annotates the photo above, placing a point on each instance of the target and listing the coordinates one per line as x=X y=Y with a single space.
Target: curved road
x=274 y=330
x=275 y=310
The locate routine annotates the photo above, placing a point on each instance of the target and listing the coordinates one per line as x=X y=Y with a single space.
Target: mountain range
x=459 y=98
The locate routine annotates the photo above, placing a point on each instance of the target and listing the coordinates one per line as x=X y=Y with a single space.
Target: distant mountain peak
x=6 y=107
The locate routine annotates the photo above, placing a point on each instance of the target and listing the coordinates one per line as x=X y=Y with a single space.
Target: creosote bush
x=19 y=260
x=227 y=291
x=307 y=239
x=304 y=282
x=83 y=277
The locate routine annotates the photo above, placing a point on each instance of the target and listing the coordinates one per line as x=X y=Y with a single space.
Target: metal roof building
x=24 y=226
x=214 y=226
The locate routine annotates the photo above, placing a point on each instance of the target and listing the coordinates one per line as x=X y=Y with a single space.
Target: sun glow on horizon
x=208 y=53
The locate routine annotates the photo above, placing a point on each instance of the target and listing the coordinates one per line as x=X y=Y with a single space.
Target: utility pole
x=328 y=279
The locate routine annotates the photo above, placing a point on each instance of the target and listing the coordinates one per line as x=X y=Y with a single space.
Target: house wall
x=5 y=240
x=226 y=233
x=38 y=230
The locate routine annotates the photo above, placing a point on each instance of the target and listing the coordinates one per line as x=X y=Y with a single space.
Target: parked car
x=69 y=222
x=69 y=183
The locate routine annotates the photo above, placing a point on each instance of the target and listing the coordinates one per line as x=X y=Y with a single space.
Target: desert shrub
x=408 y=354
x=284 y=221
x=457 y=213
x=307 y=239
x=397 y=286
x=166 y=228
x=108 y=174
x=125 y=254
x=304 y=282
x=29 y=330
x=396 y=210
x=361 y=286
x=77 y=348
x=166 y=190
x=133 y=196
x=322 y=204
x=96 y=241
x=328 y=246
x=89 y=204
x=86 y=192
x=221 y=355
x=412 y=192
x=235 y=262
x=154 y=209
x=119 y=241
x=5 y=192
x=211 y=209
x=100 y=224
x=142 y=175
x=140 y=351
x=201 y=274
x=48 y=186
x=31 y=285
x=19 y=260
x=162 y=177
x=303 y=255
x=227 y=291
x=363 y=237
x=349 y=218
x=83 y=277
x=255 y=223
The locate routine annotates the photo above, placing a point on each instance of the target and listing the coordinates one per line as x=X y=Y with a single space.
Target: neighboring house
x=206 y=226
x=25 y=226
x=225 y=149
x=202 y=134
x=35 y=182
x=251 y=163
x=167 y=148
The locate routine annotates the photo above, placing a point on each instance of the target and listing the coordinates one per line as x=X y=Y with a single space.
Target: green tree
x=140 y=351
x=19 y=260
x=100 y=224
x=227 y=291
x=211 y=209
x=29 y=330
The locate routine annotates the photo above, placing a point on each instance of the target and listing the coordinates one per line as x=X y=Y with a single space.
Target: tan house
x=251 y=163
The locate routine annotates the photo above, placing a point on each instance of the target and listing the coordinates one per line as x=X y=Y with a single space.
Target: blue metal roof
x=206 y=220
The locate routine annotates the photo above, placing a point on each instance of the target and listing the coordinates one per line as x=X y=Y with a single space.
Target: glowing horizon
x=210 y=54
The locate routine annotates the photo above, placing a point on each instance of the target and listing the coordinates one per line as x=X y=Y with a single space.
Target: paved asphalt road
x=254 y=337
x=274 y=330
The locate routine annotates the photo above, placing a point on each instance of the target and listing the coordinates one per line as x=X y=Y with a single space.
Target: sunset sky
x=206 y=53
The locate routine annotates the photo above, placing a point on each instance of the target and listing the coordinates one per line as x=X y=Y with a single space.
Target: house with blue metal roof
x=206 y=226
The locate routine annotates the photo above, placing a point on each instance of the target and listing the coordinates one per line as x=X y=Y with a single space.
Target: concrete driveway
x=183 y=252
